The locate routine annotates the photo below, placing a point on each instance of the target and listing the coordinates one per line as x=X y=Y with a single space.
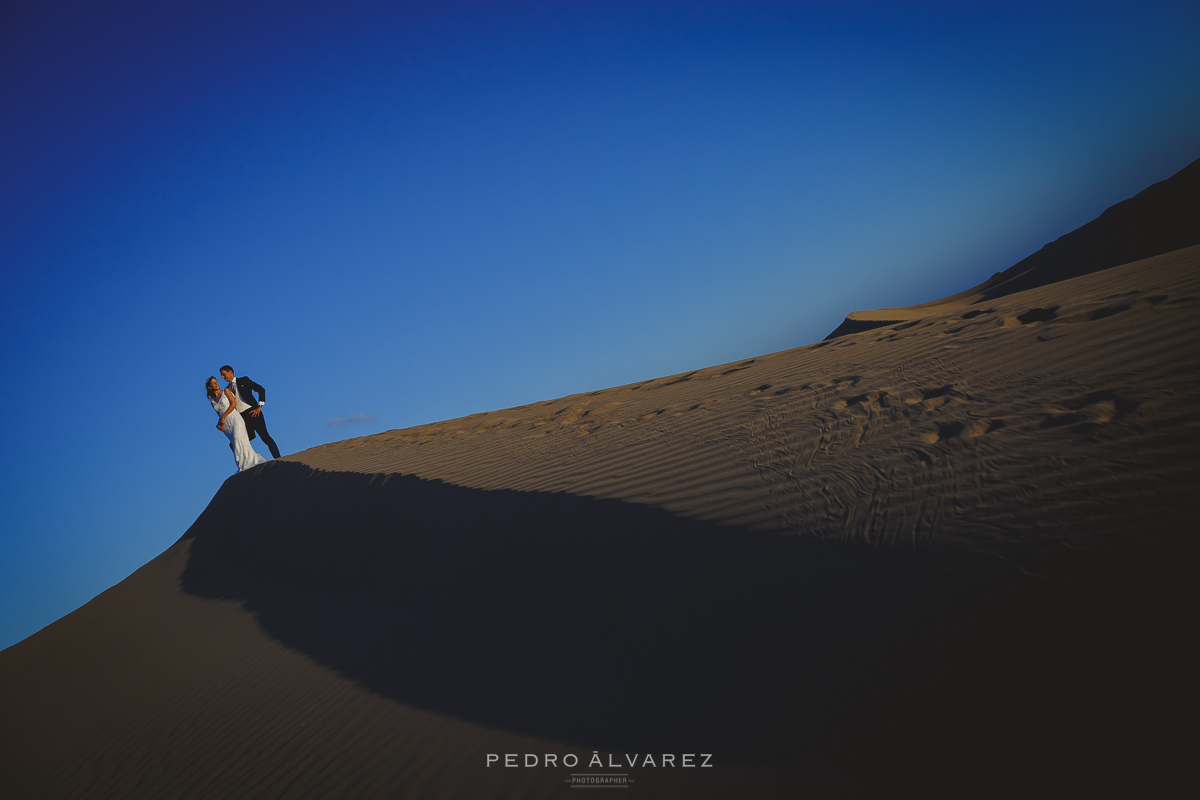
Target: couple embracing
x=240 y=417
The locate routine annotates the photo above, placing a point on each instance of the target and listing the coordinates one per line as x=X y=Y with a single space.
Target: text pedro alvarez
x=626 y=760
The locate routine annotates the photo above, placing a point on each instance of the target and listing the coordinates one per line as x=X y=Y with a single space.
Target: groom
x=250 y=409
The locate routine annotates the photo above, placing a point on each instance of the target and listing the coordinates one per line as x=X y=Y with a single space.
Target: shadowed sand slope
x=945 y=556
x=1161 y=219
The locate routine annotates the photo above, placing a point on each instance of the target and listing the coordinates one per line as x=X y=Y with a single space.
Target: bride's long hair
x=208 y=388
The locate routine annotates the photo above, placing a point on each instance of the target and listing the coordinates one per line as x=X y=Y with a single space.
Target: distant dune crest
x=1160 y=219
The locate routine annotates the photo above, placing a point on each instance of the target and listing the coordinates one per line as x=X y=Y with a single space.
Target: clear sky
x=408 y=212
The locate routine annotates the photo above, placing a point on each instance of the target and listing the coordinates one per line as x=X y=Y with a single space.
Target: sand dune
x=1160 y=219
x=944 y=556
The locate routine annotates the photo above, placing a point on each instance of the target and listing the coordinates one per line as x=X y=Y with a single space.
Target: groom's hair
x=226 y=368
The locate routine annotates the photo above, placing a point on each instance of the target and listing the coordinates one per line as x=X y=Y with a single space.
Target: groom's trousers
x=258 y=424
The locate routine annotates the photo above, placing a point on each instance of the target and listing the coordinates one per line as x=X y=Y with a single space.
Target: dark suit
x=255 y=424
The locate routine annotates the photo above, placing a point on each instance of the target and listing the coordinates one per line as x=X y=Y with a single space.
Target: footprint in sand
x=933 y=398
x=945 y=430
x=659 y=412
x=981 y=427
x=739 y=367
x=1031 y=316
x=869 y=400
x=834 y=382
x=1111 y=310
x=952 y=430
x=1096 y=408
x=673 y=381
x=1183 y=301
x=1095 y=314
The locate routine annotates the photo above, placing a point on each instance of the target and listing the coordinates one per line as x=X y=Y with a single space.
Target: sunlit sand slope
x=1062 y=411
x=948 y=556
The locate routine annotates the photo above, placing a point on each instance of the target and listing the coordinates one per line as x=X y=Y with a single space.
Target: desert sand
x=945 y=556
x=1162 y=218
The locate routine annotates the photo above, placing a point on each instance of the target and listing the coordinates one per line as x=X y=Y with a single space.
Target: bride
x=231 y=424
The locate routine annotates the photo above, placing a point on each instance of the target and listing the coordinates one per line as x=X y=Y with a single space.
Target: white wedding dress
x=235 y=429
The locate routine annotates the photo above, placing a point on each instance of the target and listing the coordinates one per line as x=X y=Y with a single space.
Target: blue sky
x=416 y=211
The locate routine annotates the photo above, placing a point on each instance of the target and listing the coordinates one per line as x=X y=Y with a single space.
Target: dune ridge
x=945 y=555
x=1160 y=219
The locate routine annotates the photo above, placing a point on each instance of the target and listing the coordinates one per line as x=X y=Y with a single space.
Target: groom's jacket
x=244 y=387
